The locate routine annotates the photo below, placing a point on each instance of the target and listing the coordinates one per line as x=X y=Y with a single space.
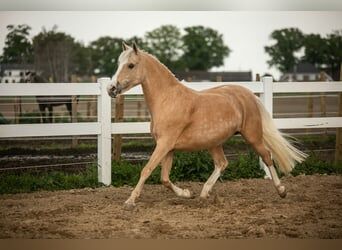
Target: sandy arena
x=235 y=209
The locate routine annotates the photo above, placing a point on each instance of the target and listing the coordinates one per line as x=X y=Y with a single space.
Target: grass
x=186 y=167
x=3 y=120
x=30 y=182
x=47 y=149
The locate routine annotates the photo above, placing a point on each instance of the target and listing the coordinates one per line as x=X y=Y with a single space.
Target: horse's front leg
x=162 y=148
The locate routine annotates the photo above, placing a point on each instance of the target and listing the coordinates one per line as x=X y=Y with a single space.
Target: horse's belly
x=200 y=136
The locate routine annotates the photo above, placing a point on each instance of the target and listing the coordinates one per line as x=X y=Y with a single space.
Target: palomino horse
x=48 y=102
x=185 y=119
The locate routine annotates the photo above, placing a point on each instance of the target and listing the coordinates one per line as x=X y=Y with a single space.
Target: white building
x=303 y=72
x=14 y=73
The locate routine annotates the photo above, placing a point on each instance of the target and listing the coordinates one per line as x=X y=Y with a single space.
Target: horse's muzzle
x=113 y=91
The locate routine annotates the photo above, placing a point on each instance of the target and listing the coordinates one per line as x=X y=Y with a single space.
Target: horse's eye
x=131 y=65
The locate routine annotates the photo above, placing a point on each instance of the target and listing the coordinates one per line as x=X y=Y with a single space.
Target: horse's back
x=230 y=91
x=251 y=122
x=215 y=116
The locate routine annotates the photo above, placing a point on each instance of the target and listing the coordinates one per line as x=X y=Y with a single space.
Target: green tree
x=54 y=54
x=166 y=44
x=315 y=48
x=18 y=47
x=204 y=48
x=104 y=55
x=333 y=56
x=82 y=62
x=287 y=42
x=324 y=52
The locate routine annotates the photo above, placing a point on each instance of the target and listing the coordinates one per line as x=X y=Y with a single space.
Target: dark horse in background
x=48 y=102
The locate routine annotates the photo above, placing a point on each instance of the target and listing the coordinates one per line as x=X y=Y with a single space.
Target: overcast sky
x=246 y=33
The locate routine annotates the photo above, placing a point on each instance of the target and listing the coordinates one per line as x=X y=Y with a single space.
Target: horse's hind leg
x=50 y=113
x=166 y=165
x=266 y=157
x=221 y=163
x=42 y=113
x=259 y=147
x=69 y=108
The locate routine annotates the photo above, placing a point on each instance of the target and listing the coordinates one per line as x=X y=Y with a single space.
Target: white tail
x=283 y=152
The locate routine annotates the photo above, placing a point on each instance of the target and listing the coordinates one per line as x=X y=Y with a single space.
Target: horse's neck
x=159 y=85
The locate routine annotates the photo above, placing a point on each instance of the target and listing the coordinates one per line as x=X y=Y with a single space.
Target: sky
x=245 y=32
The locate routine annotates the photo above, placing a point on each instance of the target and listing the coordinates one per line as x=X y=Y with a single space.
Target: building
x=304 y=72
x=205 y=76
x=14 y=73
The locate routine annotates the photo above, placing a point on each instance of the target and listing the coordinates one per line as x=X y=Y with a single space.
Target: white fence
x=104 y=129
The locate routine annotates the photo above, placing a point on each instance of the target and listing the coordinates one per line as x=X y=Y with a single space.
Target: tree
x=81 y=61
x=104 y=55
x=204 y=48
x=324 y=52
x=53 y=54
x=333 y=56
x=18 y=47
x=166 y=44
x=287 y=43
x=314 y=49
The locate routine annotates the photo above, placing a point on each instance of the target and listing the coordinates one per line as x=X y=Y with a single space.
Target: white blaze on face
x=123 y=59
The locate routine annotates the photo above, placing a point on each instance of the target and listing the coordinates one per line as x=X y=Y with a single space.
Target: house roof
x=238 y=76
x=16 y=66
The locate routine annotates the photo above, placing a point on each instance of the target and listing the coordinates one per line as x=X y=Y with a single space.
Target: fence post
x=74 y=107
x=267 y=99
x=323 y=106
x=310 y=102
x=74 y=142
x=139 y=109
x=119 y=114
x=338 y=148
x=257 y=79
x=17 y=109
x=104 y=138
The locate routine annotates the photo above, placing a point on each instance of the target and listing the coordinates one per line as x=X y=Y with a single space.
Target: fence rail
x=103 y=128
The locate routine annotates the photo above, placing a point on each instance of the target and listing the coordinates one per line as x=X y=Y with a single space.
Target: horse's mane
x=162 y=64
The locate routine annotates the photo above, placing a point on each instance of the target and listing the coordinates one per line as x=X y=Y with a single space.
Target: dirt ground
x=235 y=209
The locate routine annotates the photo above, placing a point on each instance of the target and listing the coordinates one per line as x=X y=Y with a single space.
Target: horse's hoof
x=204 y=196
x=129 y=206
x=282 y=191
x=186 y=193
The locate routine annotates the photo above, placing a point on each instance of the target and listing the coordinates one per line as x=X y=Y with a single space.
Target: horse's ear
x=124 y=46
x=135 y=48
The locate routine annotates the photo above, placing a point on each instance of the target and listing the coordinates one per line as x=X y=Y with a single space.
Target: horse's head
x=29 y=76
x=129 y=73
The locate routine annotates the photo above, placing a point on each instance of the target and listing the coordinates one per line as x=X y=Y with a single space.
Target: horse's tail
x=283 y=152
